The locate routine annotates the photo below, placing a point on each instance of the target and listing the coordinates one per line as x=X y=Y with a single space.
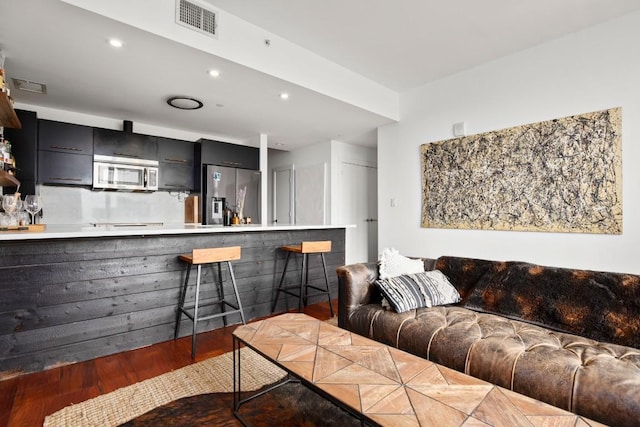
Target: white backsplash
x=71 y=205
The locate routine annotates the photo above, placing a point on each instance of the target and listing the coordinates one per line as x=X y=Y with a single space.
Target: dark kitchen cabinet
x=63 y=168
x=174 y=177
x=209 y=152
x=176 y=164
x=65 y=153
x=24 y=145
x=226 y=154
x=175 y=151
x=65 y=137
x=117 y=143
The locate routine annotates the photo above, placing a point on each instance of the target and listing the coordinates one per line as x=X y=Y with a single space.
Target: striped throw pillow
x=411 y=291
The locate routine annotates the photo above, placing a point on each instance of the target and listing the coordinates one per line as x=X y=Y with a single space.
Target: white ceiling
x=399 y=44
x=402 y=44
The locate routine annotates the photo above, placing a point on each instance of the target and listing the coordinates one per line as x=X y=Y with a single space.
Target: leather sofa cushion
x=601 y=306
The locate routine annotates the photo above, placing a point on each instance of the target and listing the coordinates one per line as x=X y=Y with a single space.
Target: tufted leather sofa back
x=599 y=305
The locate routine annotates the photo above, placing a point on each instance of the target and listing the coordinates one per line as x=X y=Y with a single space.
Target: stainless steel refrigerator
x=224 y=184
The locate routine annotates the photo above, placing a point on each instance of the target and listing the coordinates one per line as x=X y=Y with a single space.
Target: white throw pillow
x=392 y=264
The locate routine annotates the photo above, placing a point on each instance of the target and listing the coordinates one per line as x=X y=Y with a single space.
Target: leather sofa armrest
x=356 y=287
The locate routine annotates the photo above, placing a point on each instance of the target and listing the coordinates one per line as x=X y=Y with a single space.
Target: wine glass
x=32 y=205
x=11 y=203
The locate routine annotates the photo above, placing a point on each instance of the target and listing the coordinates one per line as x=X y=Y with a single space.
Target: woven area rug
x=209 y=376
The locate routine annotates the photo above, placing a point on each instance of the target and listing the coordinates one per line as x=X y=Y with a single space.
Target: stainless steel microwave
x=122 y=173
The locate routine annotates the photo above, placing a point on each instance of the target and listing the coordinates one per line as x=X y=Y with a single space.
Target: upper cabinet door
x=65 y=137
x=117 y=143
x=175 y=151
x=230 y=155
x=176 y=164
x=64 y=168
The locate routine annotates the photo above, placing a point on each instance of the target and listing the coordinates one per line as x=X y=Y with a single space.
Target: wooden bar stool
x=199 y=257
x=305 y=248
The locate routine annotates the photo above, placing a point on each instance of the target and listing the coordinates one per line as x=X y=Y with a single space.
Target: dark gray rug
x=289 y=405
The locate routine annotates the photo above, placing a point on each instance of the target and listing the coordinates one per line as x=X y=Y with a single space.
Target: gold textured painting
x=562 y=175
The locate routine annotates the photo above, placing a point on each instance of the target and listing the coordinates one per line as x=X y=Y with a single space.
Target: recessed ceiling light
x=214 y=73
x=184 y=103
x=284 y=95
x=279 y=144
x=115 y=42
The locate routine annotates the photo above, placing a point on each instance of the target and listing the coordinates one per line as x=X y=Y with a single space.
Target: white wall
x=591 y=70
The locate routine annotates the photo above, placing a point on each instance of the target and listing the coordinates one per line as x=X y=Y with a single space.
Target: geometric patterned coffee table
x=385 y=386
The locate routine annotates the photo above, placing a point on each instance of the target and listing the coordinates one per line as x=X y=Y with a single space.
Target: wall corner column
x=264 y=168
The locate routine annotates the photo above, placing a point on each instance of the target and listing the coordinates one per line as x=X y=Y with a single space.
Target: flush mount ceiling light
x=29 y=86
x=185 y=103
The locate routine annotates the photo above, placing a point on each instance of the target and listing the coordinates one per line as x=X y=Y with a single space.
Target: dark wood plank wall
x=69 y=300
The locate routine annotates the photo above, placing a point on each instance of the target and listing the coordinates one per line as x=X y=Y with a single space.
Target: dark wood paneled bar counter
x=74 y=293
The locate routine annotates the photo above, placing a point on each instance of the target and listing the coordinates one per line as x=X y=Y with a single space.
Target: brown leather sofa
x=567 y=337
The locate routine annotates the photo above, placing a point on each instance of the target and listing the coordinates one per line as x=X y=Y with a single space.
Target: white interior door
x=359 y=207
x=310 y=195
x=283 y=198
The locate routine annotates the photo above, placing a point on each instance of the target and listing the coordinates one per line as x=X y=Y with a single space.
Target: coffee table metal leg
x=237 y=384
x=236 y=374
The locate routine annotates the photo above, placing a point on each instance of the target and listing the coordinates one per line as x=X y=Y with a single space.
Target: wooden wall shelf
x=7 y=180
x=8 y=117
x=33 y=227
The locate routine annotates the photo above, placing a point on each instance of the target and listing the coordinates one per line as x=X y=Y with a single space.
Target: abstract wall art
x=562 y=175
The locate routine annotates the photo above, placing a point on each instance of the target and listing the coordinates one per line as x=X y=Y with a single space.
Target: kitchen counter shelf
x=56 y=231
x=8 y=117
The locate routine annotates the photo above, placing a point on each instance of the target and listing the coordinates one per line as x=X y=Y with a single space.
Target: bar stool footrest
x=213 y=316
x=191 y=306
x=294 y=294
x=287 y=290
x=184 y=310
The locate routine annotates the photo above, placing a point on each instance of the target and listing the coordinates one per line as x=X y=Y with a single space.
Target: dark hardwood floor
x=26 y=400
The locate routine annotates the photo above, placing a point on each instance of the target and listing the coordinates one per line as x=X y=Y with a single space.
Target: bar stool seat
x=301 y=290
x=200 y=257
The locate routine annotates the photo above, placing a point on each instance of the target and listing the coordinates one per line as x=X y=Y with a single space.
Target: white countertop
x=59 y=231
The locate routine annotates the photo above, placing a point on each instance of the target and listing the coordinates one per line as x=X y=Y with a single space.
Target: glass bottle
x=1 y=153
x=6 y=154
x=226 y=215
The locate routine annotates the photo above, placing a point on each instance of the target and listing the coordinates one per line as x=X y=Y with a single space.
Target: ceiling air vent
x=191 y=15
